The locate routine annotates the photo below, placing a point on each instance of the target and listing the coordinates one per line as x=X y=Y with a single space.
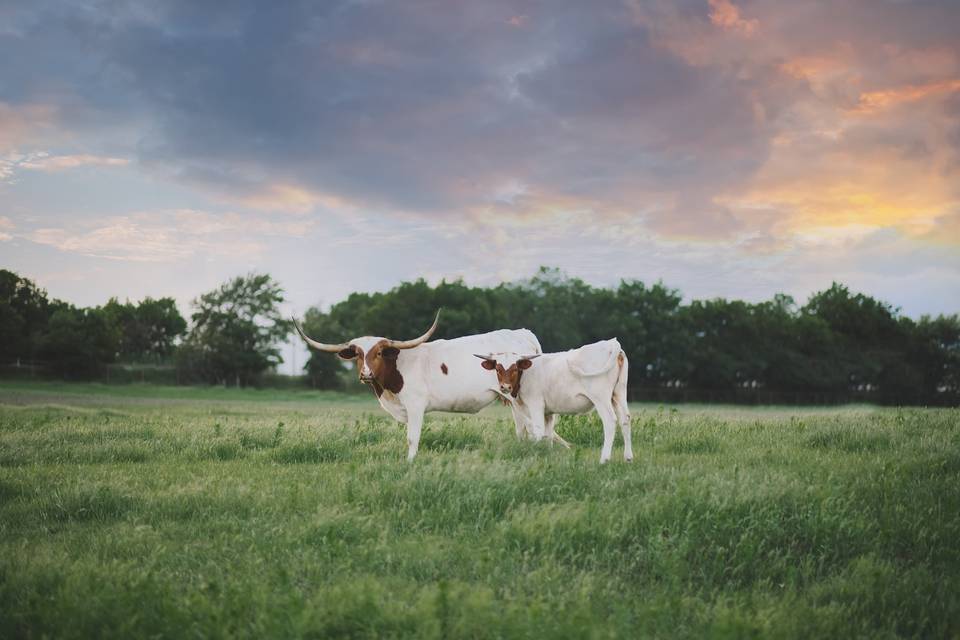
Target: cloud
x=760 y=128
x=45 y=162
x=872 y=101
x=167 y=236
x=25 y=121
x=726 y=15
x=14 y=162
x=288 y=198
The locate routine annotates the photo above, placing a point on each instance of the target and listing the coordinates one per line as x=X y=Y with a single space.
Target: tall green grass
x=219 y=517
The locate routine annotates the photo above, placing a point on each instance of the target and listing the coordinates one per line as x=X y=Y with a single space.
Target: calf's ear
x=348 y=354
x=524 y=363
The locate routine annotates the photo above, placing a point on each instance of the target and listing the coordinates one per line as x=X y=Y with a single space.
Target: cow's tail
x=620 y=406
x=620 y=388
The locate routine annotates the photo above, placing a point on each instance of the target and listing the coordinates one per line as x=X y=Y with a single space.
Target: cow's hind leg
x=609 y=419
x=620 y=406
x=623 y=419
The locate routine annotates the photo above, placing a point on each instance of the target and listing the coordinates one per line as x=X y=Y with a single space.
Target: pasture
x=139 y=511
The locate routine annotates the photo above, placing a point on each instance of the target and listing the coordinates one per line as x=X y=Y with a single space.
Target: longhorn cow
x=411 y=377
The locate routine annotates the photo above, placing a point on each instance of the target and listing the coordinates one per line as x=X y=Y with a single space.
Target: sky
x=729 y=148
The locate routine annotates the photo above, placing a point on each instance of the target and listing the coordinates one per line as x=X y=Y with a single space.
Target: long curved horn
x=409 y=344
x=330 y=348
x=483 y=357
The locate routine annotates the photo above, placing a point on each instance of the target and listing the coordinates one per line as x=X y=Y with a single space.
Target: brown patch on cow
x=382 y=361
x=620 y=359
x=443 y=367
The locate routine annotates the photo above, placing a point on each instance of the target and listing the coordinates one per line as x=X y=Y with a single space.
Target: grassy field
x=139 y=511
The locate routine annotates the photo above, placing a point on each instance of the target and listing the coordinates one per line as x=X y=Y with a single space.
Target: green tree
x=78 y=342
x=934 y=354
x=24 y=312
x=236 y=330
x=838 y=342
x=869 y=343
x=147 y=330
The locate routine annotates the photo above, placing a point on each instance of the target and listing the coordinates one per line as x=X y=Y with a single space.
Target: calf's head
x=375 y=357
x=509 y=368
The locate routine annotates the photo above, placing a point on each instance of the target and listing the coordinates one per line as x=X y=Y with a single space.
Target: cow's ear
x=348 y=354
x=389 y=353
x=489 y=365
x=523 y=363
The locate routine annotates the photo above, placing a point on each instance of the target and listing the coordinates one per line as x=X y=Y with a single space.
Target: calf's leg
x=623 y=418
x=537 y=425
x=549 y=428
x=609 y=419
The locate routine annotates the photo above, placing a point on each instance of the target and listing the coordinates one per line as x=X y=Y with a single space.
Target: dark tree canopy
x=79 y=342
x=24 y=312
x=148 y=330
x=840 y=344
x=236 y=330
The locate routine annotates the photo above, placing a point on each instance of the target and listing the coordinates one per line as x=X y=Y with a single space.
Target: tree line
x=838 y=342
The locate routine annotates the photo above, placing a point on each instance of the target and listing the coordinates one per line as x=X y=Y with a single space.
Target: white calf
x=576 y=381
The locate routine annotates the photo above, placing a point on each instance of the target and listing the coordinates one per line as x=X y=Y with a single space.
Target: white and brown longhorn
x=377 y=363
x=412 y=377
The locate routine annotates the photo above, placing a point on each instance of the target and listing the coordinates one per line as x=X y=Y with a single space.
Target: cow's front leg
x=414 y=427
x=519 y=421
x=537 y=420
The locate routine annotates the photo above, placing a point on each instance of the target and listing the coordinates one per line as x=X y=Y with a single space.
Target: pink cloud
x=726 y=15
x=45 y=162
